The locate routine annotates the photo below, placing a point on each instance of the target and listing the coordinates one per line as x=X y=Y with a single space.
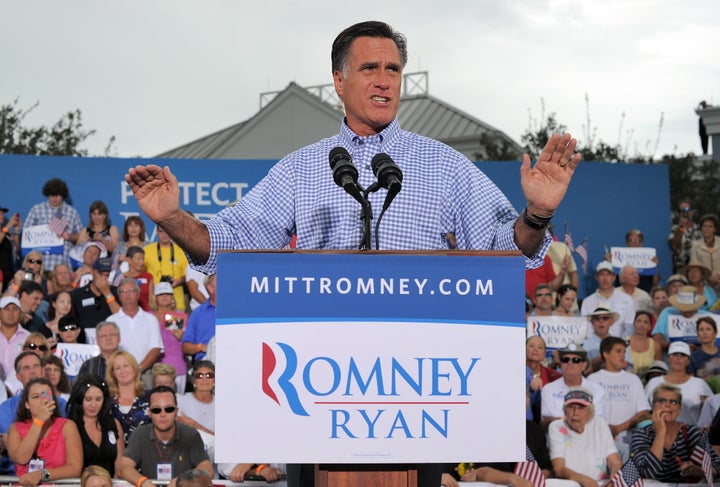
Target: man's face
x=615 y=358
x=630 y=276
x=55 y=200
x=601 y=324
x=369 y=84
x=108 y=339
x=572 y=365
x=128 y=294
x=31 y=301
x=29 y=368
x=162 y=421
x=605 y=280
x=10 y=315
x=62 y=275
x=543 y=299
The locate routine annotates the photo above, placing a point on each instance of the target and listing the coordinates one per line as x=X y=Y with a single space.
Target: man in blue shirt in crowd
x=446 y=202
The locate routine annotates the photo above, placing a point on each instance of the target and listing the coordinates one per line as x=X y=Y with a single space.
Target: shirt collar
x=386 y=138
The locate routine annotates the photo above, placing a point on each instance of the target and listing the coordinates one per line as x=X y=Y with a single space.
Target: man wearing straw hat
x=677 y=322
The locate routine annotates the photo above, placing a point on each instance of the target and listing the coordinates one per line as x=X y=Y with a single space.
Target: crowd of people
x=646 y=373
x=143 y=407
x=641 y=381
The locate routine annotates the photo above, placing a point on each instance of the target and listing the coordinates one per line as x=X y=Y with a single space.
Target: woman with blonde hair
x=32 y=264
x=129 y=402
x=37 y=343
x=95 y=476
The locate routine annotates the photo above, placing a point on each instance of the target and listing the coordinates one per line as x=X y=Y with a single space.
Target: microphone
x=345 y=173
x=389 y=176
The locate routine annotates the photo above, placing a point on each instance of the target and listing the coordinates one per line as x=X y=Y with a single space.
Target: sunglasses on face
x=68 y=328
x=602 y=318
x=543 y=295
x=34 y=261
x=575 y=360
x=206 y=375
x=35 y=346
x=168 y=409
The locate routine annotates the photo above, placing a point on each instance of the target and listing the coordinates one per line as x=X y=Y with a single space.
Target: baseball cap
x=9 y=300
x=679 y=347
x=578 y=396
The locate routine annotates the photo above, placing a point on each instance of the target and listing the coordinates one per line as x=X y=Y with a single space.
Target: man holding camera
x=682 y=235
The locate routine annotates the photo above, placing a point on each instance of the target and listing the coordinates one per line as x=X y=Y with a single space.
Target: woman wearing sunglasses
x=664 y=450
x=37 y=343
x=69 y=329
x=129 y=403
x=198 y=408
x=44 y=446
x=100 y=432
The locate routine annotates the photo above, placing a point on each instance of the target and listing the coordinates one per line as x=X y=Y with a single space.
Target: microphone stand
x=366 y=215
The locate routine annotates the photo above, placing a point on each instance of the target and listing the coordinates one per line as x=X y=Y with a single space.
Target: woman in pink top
x=44 y=446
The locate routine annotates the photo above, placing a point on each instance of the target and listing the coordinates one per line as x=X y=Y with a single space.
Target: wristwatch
x=45 y=475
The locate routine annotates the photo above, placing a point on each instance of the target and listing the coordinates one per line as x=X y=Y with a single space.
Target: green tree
x=64 y=138
x=693 y=179
x=535 y=138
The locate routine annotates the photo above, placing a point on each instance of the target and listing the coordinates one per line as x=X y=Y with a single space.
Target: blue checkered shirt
x=442 y=193
x=41 y=214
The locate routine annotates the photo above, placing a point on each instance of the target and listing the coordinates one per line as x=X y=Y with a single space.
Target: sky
x=157 y=74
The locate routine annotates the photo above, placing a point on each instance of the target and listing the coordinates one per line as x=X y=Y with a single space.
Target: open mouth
x=380 y=99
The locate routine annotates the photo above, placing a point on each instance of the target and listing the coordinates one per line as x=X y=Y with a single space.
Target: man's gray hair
x=192 y=476
x=104 y=324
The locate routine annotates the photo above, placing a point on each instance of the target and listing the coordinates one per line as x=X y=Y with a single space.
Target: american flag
x=530 y=470
x=581 y=250
x=702 y=458
x=568 y=238
x=627 y=476
x=57 y=225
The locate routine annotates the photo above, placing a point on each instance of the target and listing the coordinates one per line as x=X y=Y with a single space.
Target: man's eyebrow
x=369 y=65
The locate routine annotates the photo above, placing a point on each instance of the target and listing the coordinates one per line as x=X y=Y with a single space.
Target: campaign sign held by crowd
x=370 y=357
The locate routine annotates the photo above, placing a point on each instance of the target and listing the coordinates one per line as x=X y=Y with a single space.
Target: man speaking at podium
x=446 y=201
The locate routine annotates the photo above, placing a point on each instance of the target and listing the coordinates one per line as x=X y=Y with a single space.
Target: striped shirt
x=446 y=201
x=668 y=470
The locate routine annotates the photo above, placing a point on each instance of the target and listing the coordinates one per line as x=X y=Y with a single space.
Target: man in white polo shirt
x=139 y=330
x=573 y=361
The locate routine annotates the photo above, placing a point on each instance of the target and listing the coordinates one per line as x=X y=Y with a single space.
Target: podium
x=341 y=475
x=366 y=364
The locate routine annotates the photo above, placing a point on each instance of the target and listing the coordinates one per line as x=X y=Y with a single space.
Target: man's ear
x=338 y=80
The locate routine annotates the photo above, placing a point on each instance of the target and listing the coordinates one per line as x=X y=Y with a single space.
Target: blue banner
x=370 y=286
